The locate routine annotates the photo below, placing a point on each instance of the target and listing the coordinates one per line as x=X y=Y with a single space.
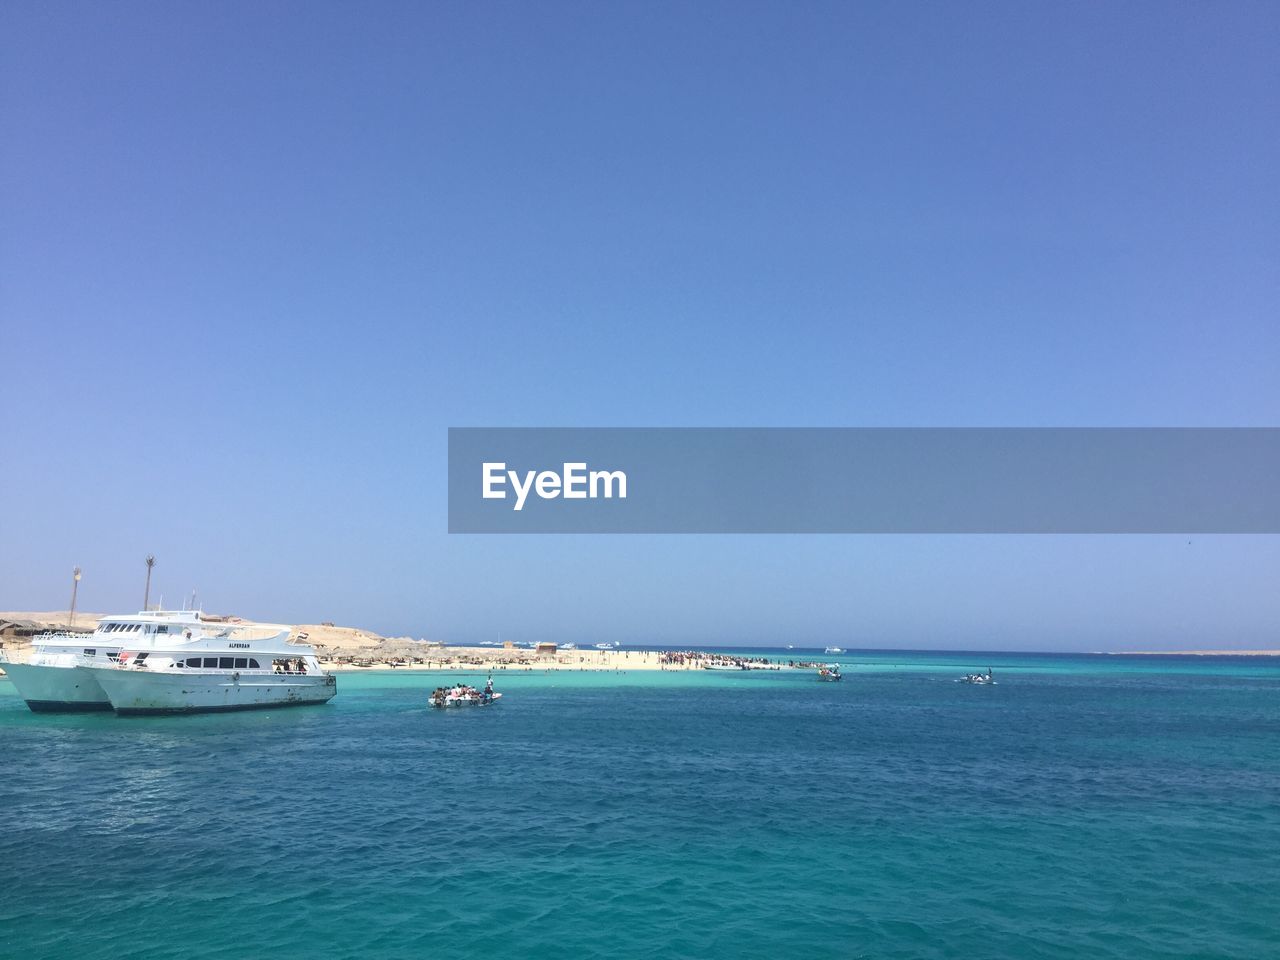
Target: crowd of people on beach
x=700 y=658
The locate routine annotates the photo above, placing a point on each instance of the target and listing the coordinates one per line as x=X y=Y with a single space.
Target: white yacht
x=222 y=667
x=834 y=650
x=52 y=679
x=55 y=678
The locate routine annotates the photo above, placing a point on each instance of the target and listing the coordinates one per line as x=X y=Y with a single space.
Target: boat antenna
x=146 y=596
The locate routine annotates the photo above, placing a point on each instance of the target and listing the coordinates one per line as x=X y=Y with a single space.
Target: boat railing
x=60 y=635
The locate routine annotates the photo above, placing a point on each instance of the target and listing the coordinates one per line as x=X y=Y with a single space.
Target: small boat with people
x=464 y=695
x=985 y=679
x=830 y=671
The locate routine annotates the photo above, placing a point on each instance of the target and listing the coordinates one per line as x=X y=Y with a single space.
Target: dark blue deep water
x=1084 y=807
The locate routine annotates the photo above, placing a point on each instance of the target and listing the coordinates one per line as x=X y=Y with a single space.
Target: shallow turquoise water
x=1085 y=806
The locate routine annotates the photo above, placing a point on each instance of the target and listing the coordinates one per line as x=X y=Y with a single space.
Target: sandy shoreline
x=351 y=648
x=484 y=658
x=343 y=649
x=1194 y=653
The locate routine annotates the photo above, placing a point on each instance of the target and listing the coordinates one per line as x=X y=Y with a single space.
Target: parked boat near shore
x=240 y=667
x=53 y=679
x=56 y=678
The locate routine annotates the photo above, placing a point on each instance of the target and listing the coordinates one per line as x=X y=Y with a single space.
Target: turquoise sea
x=1086 y=806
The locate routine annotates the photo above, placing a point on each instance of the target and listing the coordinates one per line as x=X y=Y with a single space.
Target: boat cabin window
x=90 y=652
x=222 y=663
x=163 y=628
x=140 y=657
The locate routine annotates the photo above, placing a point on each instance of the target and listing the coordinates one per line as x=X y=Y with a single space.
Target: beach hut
x=545 y=649
x=19 y=629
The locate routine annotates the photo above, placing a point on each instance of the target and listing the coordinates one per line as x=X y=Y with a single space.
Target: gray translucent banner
x=856 y=480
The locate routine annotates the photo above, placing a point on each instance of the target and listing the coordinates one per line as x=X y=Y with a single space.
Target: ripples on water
x=1082 y=807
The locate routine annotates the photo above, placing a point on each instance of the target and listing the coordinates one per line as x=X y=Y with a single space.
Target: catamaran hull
x=138 y=693
x=48 y=689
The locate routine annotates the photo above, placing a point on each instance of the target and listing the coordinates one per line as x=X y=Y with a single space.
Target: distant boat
x=791 y=646
x=568 y=646
x=833 y=650
x=985 y=679
x=830 y=672
x=606 y=646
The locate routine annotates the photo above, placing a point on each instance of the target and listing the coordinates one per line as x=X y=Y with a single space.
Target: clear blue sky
x=255 y=258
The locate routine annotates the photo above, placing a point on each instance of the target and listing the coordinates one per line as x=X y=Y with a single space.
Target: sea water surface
x=1082 y=807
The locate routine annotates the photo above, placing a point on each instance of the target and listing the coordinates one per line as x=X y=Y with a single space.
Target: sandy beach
x=490 y=658
x=1198 y=653
x=353 y=648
